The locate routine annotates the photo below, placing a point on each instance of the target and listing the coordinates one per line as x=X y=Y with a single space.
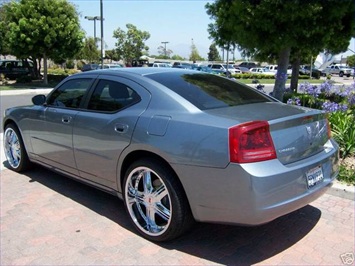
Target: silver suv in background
x=337 y=70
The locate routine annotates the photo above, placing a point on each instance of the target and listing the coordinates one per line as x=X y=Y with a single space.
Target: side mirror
x=39 y=99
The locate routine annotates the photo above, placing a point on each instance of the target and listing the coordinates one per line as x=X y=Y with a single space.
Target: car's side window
x=70 y=94
x=111 y=96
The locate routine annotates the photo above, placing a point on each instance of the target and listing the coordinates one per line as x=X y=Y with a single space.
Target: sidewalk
x=26 y=91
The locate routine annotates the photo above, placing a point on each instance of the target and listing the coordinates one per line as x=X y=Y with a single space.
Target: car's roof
x=142 y=71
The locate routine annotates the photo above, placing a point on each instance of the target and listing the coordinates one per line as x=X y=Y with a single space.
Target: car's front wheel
x=15 y=151
x=155 y=201
x=341 y=74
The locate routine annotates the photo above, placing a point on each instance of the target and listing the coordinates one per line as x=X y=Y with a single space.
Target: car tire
x=15 y=151
x=341 y=74
x=155 y=201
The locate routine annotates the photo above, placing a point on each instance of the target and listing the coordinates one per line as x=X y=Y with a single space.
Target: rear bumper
x=256 y=193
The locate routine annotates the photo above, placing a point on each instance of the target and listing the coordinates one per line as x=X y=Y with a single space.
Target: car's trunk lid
x=297 y=132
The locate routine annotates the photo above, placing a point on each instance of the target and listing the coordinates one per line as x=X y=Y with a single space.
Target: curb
x=26 y=91
x=341 y=190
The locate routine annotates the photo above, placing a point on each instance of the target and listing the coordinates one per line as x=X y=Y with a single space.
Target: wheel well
x=9 y=121
x=136 y=155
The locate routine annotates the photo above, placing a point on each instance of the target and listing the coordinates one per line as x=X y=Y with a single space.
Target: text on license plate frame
x=314 y=176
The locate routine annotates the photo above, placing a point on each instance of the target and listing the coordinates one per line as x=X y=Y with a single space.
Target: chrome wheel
x=15 y=152
x=12 y=147
x=148 y=201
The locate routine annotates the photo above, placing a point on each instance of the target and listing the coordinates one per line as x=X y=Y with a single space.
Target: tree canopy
x=194 y=55
x=164 y=53
x=89 y=51
x=131 y=43
x=213 y=54
x=50 y=29
x=273 y=29
x=4 y=49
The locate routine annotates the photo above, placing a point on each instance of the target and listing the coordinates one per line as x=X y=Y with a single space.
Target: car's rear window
x=208 y=91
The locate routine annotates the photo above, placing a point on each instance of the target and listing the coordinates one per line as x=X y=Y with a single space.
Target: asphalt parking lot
x=47 y=219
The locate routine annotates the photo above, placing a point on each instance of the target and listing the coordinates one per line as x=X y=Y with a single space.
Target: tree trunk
x=45 y=69
x=295 y=74
x=35 y=71
x=281 y=74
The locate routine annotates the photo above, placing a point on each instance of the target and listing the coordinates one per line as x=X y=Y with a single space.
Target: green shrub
x=70 y=64
x=80 y=64
x=339 y=103
x=343 y=131
x=346 y=173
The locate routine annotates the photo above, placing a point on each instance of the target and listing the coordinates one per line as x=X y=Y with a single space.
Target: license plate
x=314 y=176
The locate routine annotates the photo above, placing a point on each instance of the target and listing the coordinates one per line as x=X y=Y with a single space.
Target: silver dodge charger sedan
x=177 y=146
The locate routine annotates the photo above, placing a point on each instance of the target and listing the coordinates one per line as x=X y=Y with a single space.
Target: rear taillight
x=251 y=142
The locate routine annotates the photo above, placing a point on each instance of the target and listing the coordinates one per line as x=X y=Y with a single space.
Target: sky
x=177 y=22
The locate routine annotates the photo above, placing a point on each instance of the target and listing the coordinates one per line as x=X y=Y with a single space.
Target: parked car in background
x=337 y=70
x=183 y=65
x=88 y=67
x=160 y=65
x=177 y=146
x=109 y=66
x=13 y=69
x=224 y=68
x=261 y=70
x=306 y=70
x=248 y=64
x=164 y=63
x=244 y=70
x=206 y=69
x=271 y=68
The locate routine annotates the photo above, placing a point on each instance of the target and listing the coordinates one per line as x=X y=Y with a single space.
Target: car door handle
x=121 y=128
x=66 y=119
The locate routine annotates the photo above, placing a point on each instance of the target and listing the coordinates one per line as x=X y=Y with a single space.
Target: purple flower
x=294 y=101
x=310 y=89
x=334 y=107
x=326 y=88
x=351 y=99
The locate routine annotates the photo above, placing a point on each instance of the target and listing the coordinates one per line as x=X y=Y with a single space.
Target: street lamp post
x=164 y=47
x=102 y=34
x=94 y=19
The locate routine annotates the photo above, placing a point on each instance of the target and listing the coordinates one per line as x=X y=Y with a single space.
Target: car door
x=51 y=137
x=105 y=129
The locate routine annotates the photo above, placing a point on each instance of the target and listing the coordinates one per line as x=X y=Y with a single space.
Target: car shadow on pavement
x=222 y=244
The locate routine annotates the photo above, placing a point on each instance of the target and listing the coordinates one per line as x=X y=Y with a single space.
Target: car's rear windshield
x=208 y=91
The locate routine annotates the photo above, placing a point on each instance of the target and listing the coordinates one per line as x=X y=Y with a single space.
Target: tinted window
x=207 y=91
x=112 y=96
x=70 y=93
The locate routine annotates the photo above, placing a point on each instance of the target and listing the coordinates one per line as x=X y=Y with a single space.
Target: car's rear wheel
x=155 y=201
x=341 y=74
x=15 y=151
